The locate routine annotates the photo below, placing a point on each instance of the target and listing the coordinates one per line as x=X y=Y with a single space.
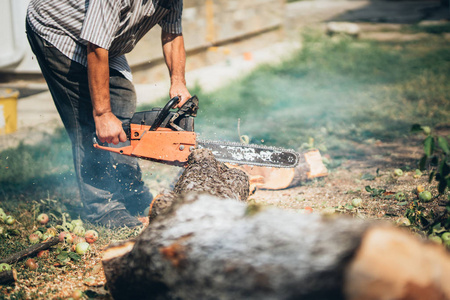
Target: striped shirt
x=115 y=25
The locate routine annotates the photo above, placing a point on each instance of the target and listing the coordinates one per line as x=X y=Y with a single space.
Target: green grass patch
x=337 y=91
x=38 y=168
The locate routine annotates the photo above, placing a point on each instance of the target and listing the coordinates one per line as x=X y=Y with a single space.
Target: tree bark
x=8 y=277
x=201 y=246
x=204 y=174
x=30 y=251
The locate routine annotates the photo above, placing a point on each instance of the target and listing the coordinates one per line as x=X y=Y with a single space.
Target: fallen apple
x=2 y=216
x=4 y=267
x=400 y=196
x=425 y=196
x=51 y=232
x=356 y=202
x=82 y=248
x=69 y=226
x=31 y=264
x=34 y=238
x=77 y=222
x=43 y=254
x=403 y=222
x=426 y=129
x=10 y=220
x=66 y=237
x=38 y=233
x=445 y=237
x=42 y=218
x=46 y=236
x=398 y=172
x=78 y=239
x=447 y=244
x=79 y=230
x=328 y=211
x=435 y=239
x=77 y=294
x=91 y=236
x=420 y=189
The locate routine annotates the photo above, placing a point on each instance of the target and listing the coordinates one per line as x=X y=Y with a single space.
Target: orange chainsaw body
x=162 y=145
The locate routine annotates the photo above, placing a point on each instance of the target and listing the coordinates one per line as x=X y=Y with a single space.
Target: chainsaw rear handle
x=125 y=126
x=159 y=119
x=164 y=113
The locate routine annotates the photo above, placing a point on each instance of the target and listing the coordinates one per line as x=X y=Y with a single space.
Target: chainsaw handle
x=125 y=126
x=164 y=113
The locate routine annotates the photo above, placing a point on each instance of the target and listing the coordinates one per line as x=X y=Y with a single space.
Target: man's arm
x=175 y=57
x=108 y=127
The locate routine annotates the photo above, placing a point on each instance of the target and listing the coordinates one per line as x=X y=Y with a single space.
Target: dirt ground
x=345 y=182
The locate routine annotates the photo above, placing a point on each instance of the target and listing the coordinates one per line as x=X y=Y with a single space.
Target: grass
x=333 y=94
x=336 y=91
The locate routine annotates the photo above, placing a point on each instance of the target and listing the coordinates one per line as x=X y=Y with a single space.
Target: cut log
x=211 y=248
x=8 y=277
x=31 y=251
x=203 y=247
x=391 y=264
x=204 y=174
x=310 y=166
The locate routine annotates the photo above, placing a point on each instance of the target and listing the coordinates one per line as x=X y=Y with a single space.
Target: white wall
x=14 y=46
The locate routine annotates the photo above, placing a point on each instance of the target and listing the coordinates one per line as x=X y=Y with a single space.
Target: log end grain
x=394 y=264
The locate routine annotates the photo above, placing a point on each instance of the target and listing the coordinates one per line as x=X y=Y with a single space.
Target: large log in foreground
x=211 y=248
x=203 y=247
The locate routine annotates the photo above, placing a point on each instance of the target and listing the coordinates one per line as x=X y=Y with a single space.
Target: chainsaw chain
x=289 y=164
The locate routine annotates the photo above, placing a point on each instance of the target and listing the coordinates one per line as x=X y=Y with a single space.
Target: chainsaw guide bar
x=254 y=155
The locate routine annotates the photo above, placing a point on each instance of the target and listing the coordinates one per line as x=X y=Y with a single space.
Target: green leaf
x=74 y=256
x=349 y=207
x=442 y=186
x=63 y=256
x=430 y=178
x=438 y=228
x=428 y=145
x=442 y=143
x=402 y=203
x=368 y=176
x=369 y=189
x=445 y=169
x=423 y=162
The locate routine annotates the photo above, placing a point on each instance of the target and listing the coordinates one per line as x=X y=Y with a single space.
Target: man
x=80 y=47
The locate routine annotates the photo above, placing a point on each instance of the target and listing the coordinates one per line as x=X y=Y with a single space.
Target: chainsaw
x=166 y=136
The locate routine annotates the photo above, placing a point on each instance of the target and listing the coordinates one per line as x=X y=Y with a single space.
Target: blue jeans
x=107 y=181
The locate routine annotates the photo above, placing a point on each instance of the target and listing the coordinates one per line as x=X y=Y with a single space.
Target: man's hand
x=175 y=57
x=108 y=128
x=179 y=89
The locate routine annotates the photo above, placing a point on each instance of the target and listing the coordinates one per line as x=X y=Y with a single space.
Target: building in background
x=15 y=53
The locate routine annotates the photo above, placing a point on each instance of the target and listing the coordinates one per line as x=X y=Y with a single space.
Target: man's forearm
x=98 y=76
x=175 y=56
x=108 y=128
